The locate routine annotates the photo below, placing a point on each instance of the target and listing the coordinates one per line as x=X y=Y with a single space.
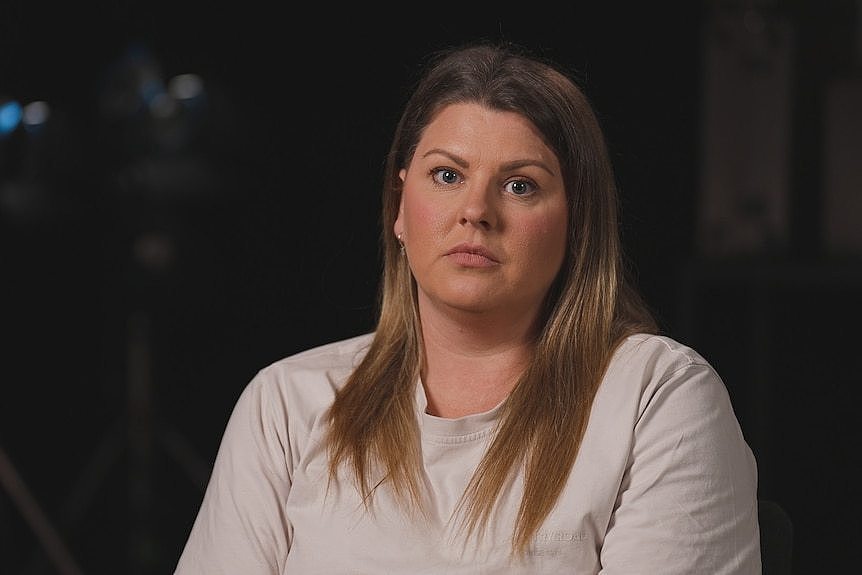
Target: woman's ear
x=398 y=226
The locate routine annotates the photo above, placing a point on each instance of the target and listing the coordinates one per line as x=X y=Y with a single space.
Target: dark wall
x=151 y=267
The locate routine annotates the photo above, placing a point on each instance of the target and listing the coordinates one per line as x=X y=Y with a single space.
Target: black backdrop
x=149 y=268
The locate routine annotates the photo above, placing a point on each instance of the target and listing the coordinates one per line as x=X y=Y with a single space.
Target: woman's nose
x=479 y=207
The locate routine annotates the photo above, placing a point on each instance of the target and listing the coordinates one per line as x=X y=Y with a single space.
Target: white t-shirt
x=664 y=482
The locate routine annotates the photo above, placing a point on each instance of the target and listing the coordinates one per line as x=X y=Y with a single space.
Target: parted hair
x=591 y=306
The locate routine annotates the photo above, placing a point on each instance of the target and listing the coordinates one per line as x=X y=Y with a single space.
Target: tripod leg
x=35 y=517
x=140 y=442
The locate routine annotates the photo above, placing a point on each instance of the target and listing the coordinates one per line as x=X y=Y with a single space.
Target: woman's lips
x=472 y=255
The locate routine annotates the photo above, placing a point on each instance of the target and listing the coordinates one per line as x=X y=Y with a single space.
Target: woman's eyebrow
x=513 y=165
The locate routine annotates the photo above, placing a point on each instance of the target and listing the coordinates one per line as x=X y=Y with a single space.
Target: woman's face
x=483 y=213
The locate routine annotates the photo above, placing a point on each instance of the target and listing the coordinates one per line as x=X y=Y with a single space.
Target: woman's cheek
x=427 y=220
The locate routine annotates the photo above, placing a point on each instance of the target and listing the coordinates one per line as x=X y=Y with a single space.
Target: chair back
x=776 y=538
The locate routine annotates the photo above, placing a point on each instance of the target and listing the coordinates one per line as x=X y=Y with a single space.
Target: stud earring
x=401 y=244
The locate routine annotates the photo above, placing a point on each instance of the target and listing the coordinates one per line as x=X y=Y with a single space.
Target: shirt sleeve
x=242 y=526
x=688 y=499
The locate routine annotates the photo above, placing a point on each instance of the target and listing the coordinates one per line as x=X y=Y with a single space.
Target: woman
x=514 y=411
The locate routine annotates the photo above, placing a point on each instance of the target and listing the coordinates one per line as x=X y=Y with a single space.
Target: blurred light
x=188 y=89
x=10 y=116
x=185 y=86
x=35 y=115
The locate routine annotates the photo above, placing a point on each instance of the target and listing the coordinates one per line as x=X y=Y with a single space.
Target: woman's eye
x=520 y=187
x=445 y=176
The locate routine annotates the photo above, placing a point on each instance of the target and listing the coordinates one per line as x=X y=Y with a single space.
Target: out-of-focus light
x=35 y=115
x=185 y=86
x=10 y=117
x=188 y=90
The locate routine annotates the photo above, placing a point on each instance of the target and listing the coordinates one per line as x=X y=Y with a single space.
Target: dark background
x=151 y=265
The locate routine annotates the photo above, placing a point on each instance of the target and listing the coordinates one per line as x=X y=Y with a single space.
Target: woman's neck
x=471 y=363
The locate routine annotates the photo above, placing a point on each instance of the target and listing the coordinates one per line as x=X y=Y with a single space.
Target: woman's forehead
x=474 y=131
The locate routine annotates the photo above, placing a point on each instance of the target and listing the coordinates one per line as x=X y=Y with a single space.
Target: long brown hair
x=590 y=308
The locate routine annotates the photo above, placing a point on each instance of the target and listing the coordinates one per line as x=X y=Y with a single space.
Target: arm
x=241 y=526
x=688 y=499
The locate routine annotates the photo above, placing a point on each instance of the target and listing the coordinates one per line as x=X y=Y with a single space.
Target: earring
x=401 y=244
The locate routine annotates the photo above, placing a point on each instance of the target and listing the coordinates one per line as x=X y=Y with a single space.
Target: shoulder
x=646 y=368
x=342 y=354
x=314 y=373
x=656 y=352
x=683 y=465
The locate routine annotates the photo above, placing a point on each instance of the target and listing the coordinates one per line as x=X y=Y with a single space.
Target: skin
x=483 y=217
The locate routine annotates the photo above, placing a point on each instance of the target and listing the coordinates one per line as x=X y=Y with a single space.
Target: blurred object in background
x=107 y=191
x=747 y=129
x=32 y=165
x=842 y=167
x=156 y=128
